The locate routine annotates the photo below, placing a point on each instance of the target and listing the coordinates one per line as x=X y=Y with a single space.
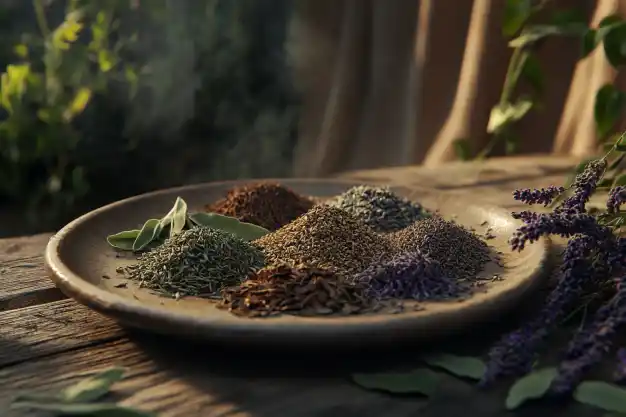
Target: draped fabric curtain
x=396 y=82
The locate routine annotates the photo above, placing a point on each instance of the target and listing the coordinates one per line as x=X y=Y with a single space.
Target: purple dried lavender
x=515 y=353
x=591 y=345
x=619 y=375
x=410 y=275
x=543 y=196
x=617 y=197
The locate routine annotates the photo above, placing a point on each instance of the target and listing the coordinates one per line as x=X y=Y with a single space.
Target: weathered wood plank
x=50 y=328
x=179 y=380
x=23 y=280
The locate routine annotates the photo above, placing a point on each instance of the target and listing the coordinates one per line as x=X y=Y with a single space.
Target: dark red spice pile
x=265 y=204
x=300 y=290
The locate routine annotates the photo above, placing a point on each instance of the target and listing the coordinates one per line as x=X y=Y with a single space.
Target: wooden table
x=46 y=340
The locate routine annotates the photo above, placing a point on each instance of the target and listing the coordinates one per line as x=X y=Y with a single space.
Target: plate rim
x=137 y=314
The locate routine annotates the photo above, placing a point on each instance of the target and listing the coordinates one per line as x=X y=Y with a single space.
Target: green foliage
x=532 y=386
x=462 y=366
x=602 y=395
x=419 y=381
x=194 y=90
x=526 y=36
x=155 y=231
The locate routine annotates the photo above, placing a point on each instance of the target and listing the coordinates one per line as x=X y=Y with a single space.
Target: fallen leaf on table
x=463 y=366
x=418 y=381
x=602 y=395
x=531 y=386
x=93 y=387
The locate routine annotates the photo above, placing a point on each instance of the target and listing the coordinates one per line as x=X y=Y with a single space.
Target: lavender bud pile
x=595 y=256
x=410 y=275
x=379 y=208
x=460 y=252
x=198 y=261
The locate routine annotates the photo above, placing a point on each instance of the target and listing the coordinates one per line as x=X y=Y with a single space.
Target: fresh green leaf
x=602 y=395
x=93 y=387
x=615 y=44
x=590 y=41
x=123 y=240
x=83 y=410
x=149 y=232
x=176 y=218
x=245 y=231
x=504 y=114
x=516 y=13
x=418 y=381
x=567 y=17
x=609 y=104
x=610 y=20
x=462 y=149
x=532 y=73
x=463 y=366
x=532 y=34
x=619 y=180
x=532 y=386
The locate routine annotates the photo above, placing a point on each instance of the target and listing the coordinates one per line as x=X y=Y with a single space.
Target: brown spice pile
x=461 y=253
x=265 y=204
x=326 y=237
x=295 y=290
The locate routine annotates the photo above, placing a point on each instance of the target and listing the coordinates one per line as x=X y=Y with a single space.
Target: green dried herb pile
x=461 y=253
x=198 y=261
x=296 y=290
x=326 y=237
x=379 y=208
x=267 y=205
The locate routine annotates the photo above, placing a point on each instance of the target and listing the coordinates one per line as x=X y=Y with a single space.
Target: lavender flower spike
x=543 y=196
x=617 y=197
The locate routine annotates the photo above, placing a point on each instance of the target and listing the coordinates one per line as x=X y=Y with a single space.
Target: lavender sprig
x=591 y=256
x=617 y=197
x=543 y=196
x=619 y=375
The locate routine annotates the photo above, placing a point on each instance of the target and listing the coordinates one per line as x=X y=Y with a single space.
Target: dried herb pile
x=326 y=237
x=265 y=204
x=410 y=275
x=296 y=290
x=460 y=252
x=379 y=208
x=198 y=261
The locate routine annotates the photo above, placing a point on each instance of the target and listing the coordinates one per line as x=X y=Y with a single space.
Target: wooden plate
x=83 y=266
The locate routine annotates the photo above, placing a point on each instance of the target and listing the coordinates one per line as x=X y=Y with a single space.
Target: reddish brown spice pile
x=300 y=290
x=265 y=204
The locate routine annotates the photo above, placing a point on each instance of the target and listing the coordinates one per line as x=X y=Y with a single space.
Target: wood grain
x=23 y=280
x=46 y=347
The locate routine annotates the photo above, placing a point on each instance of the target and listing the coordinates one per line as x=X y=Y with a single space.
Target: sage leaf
x=83 y=409
x=243 y=230
x=608 y=107
x=602 y=395
x=615 y=44
x=419 y=381
x=532 y=34
x=531 y=386
x=123 y=240
x=149 y=232
x=504 y=114
x=176 y=218
x=516 y=12
x=93 y=387
x=463 y=366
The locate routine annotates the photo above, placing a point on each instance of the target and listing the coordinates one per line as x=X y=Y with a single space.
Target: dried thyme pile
x=379 y=208
x=265 y=204
x=461 y=253
x=198 y=261
x=295 y=290
x=326 y=237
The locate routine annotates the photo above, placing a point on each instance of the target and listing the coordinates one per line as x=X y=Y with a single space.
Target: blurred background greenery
x=105 y=99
